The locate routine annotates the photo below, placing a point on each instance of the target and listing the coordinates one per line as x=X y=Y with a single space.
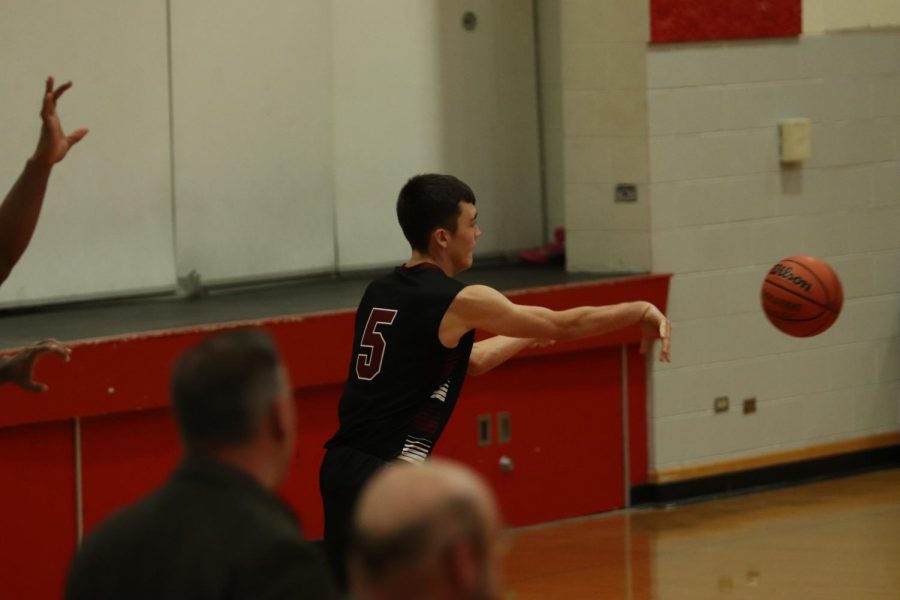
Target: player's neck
x=441 y=262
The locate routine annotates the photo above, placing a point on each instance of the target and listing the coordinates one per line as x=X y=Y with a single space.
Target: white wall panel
x=610 y=251
x=252 y=129
x=414 y=93
x=288 y=132
x=886 y=358
x=887 y=275
x=549 y=26
x=876 y=407
x=584 y=66
x=589 y=203
x=252 y=110
x=834 y=15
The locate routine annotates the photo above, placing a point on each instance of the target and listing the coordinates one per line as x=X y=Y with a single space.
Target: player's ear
x=441 y=237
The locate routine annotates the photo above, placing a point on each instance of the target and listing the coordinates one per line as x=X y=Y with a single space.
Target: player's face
x=462 y=243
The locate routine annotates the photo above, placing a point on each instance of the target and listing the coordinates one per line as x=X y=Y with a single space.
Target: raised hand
x=54 y=144
x=19 y=369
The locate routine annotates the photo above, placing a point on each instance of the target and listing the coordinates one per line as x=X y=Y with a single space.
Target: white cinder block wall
x=833 y=15
x=721 y=210
x=604 y=121
x=724 y=210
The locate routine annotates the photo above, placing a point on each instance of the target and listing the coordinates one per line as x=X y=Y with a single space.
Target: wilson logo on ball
x=787 y=274
x=802 y=295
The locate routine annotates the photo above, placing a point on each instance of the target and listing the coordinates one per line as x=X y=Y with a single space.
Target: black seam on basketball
x=821 y=328
x=811 y=272
x=818 y=316
x=792 y=292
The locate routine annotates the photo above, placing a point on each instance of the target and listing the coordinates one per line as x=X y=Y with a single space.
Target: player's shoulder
x=477 y=297
x=479 y=292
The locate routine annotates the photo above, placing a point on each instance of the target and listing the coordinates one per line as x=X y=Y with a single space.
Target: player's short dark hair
x=223 y=386
x=457 y=519
x=430 y=201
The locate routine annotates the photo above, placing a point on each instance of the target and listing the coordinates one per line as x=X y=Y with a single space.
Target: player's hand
x=19 y=369
x=655 y=325
x=54 y=144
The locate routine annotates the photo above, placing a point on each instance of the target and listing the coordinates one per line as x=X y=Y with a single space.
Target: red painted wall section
x=37 y=509
x=566 y=443
x=131 y=373
x=703 y=20
x=109 y=376
x=123 y=457
x=638 y=448
x=316 y=422
x=565 y=403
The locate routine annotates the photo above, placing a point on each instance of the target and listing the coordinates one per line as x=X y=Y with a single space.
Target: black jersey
x=403 y=383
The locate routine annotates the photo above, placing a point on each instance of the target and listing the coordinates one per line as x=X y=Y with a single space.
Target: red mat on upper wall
x=703 y=20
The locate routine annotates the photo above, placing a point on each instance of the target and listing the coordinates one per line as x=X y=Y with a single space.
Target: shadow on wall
x=549 y=74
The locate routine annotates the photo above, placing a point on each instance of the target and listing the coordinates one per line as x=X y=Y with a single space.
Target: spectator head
x=231 y=397
x=426 y=531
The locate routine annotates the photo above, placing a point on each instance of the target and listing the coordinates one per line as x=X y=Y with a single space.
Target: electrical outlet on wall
x=749 y=406
x=720 y=404
x=626 y=192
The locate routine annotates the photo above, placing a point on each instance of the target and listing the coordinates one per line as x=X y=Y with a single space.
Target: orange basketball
x=802 y=296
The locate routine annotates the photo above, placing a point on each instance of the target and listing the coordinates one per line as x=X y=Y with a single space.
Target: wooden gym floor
x=836 y=539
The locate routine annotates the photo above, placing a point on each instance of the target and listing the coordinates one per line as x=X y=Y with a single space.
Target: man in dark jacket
x=215 y=529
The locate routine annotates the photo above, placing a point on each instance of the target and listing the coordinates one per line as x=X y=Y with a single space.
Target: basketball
x=802 y=296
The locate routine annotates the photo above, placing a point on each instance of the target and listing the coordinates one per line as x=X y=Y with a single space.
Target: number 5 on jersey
x=372 y=344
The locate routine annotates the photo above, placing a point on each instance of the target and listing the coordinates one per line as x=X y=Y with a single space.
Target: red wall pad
x=564 y=404
x=37 y=509
x=702 y=20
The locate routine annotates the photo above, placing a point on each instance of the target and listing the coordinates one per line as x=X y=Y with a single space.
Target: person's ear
x=282 y=413
x=441 y=237
x=281 y=417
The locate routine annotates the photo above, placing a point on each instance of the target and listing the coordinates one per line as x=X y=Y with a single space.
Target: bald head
x=404 y=494
x=422 y=530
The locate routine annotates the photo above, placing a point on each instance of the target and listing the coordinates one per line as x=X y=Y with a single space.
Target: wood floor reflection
x=837 y=539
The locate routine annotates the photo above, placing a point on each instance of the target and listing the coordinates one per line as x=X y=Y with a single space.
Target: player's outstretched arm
x=481 y=307
x=20 y=210
x=19 y=368
x=496 y=350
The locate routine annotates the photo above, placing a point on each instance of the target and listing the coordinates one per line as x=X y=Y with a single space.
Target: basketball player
x=18 y=218
x=414 y=345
